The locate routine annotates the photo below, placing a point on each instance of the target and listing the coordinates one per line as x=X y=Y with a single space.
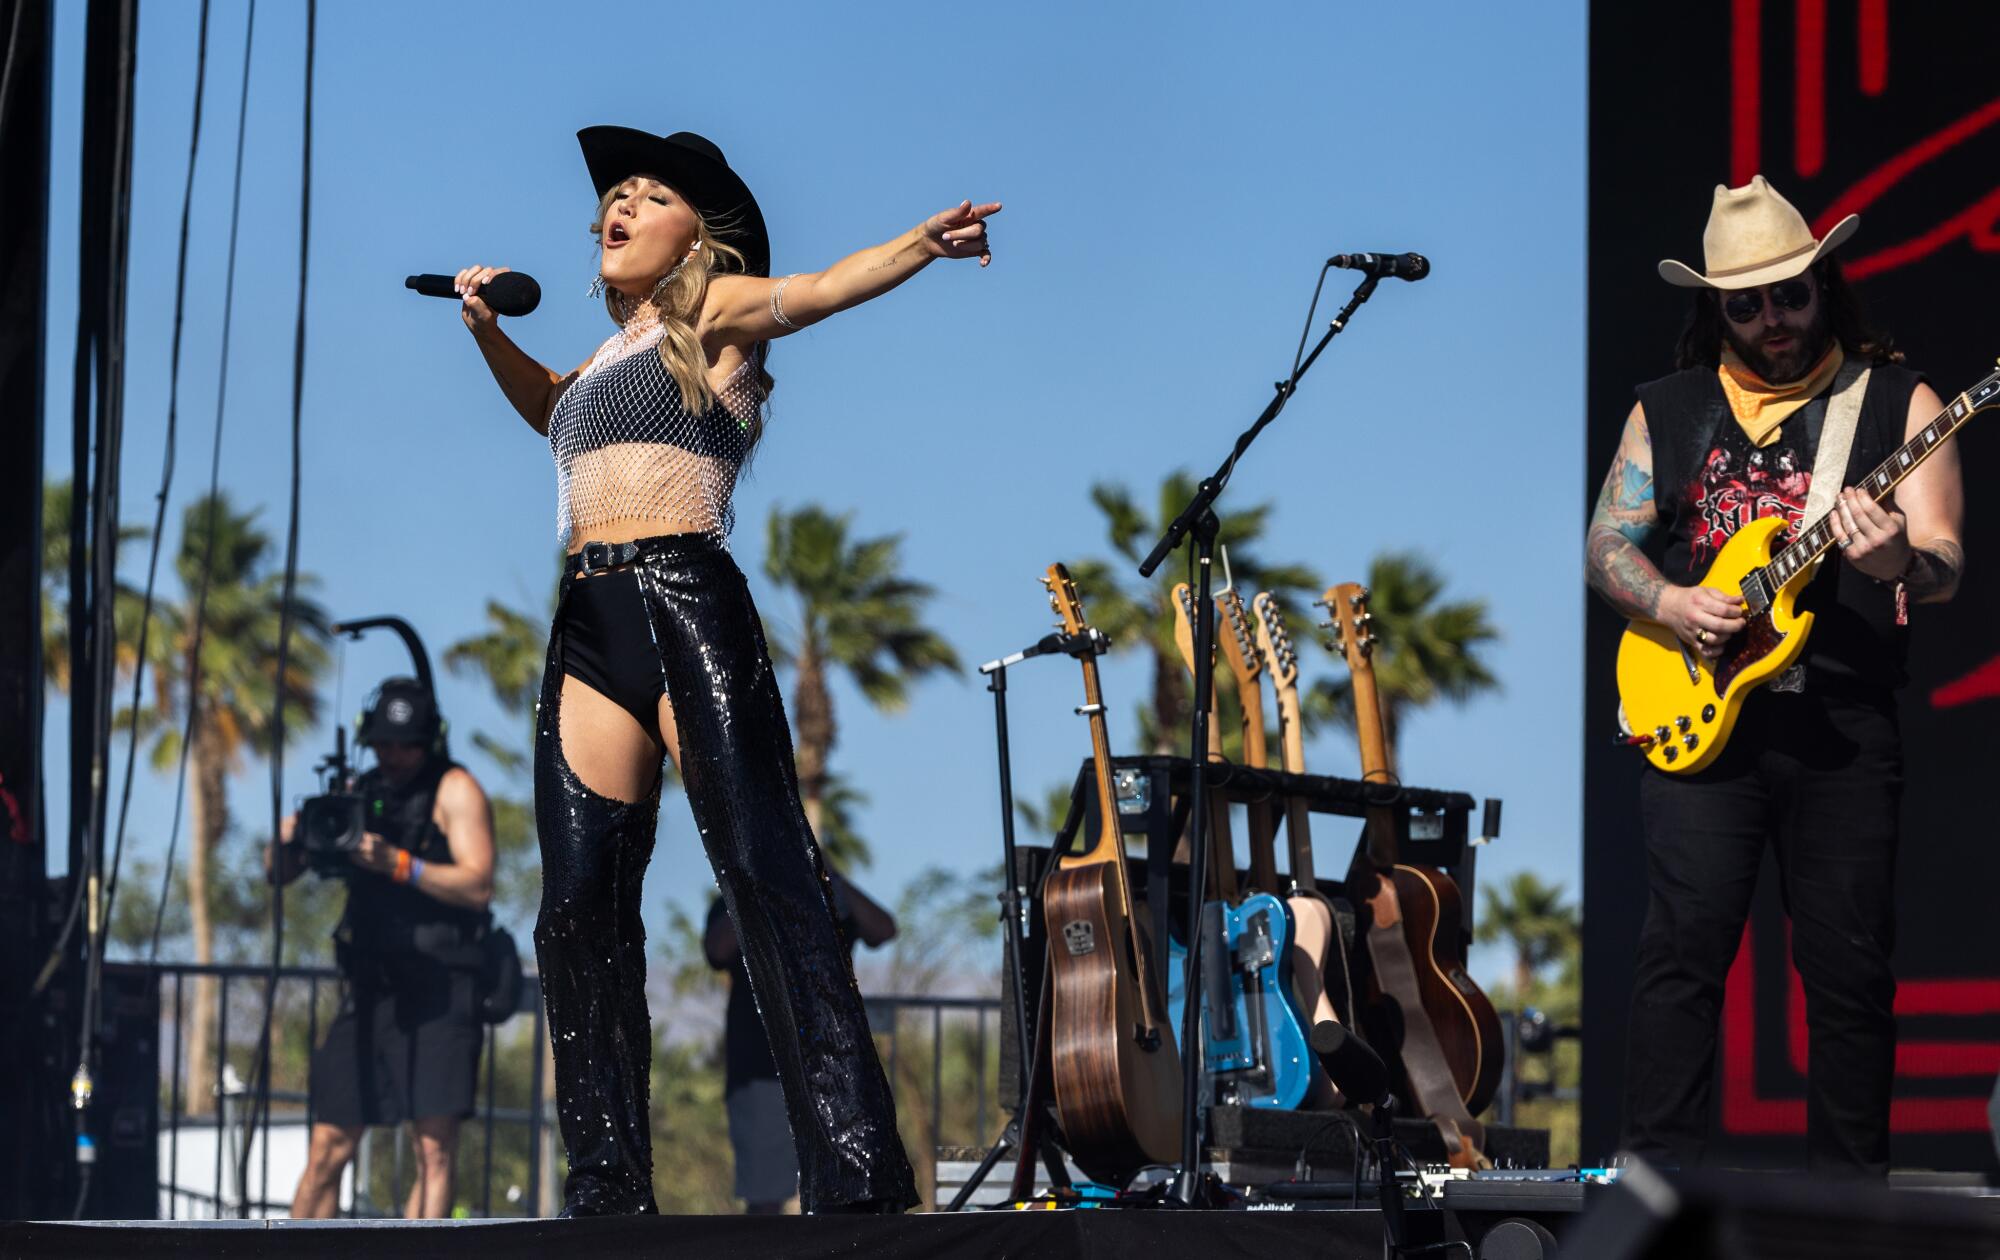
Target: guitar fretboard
x=1813 y=542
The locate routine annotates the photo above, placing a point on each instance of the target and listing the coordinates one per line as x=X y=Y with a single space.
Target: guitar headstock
x=1064 y=600
x=1352 y=625
x=1184 y=613
x=1274 y=642
x=1239 y=644
x=1983 y=395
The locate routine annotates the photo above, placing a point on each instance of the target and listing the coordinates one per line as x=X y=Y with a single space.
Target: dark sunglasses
x=1747 y=304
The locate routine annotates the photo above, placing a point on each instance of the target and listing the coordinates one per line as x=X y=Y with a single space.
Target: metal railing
x=930 y=1047
x=1531 y=1035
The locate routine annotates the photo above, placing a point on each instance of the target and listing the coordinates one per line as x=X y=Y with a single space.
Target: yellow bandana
x=1759 y=406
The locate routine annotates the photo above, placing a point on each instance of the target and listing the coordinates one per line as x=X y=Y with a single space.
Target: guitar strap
x=1829 y=473
x=1836 y=441
x=1424 y=1065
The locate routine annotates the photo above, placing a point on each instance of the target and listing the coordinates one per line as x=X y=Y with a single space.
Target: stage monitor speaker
x=1767 y=1216
x=125 y=1104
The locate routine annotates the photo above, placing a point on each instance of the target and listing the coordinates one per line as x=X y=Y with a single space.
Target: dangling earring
x=597 y=285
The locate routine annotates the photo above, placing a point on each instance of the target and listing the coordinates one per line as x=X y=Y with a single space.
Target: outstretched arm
x=743 y=310
x=1618 y=570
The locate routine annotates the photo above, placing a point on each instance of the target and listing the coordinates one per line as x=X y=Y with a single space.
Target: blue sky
x=1173 y=176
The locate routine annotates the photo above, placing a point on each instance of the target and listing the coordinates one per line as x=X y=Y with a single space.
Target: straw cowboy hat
x=1755 y=237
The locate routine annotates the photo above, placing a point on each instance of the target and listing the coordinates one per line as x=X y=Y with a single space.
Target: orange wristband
x=402 y=873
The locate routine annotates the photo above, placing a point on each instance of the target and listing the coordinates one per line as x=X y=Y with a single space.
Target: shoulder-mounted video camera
x=401 y=711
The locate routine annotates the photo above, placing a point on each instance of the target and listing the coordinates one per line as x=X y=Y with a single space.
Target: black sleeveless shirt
x=383 y=916
x=1709 y=481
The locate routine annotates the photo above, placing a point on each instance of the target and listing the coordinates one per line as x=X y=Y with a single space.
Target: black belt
x=603 y=557
x=598 y=557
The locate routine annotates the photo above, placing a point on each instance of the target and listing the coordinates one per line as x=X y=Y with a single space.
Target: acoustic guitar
x=1255 y=1046
x=1116 y=1069
x=1678 y=706
x=1428 y=908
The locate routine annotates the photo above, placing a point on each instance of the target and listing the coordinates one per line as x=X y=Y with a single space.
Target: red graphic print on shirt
x=1740 y=483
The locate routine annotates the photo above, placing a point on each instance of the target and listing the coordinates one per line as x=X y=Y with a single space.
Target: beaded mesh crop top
x=628 y=448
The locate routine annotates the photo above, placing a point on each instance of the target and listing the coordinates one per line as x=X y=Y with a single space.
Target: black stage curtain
x=25 y=29
x=1889 y=111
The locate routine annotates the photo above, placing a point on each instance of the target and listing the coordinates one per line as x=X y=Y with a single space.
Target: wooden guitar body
x=1117 y=1073
x=1428 y=905
x=1687 y=703
x=1118 y=1095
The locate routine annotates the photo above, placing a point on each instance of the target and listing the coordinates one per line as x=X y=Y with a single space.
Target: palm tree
x=231 y=690
x=1534 y=919
x=509 y=654
x=1139 y=612
x=1424 y=651
x=856 y=613
x=58 y=501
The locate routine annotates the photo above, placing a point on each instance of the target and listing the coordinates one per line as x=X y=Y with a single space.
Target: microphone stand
x=1199 y=519
x=1013 y=911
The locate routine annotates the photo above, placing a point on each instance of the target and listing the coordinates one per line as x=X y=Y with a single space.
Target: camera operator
x=405 y=1045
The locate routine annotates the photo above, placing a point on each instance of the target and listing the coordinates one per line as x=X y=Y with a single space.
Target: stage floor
x=1045 y=1235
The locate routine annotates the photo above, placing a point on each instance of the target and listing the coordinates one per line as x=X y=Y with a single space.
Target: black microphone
x=1351 y=1062
x=1401 y=266
x=509 y=293
x=1092 y=642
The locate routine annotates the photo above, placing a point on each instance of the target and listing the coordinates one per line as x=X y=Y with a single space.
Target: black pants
x=736 y=768
x=1818 y=778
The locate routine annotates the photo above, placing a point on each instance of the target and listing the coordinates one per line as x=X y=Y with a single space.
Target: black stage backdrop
x=29 y=1099
x=1855 y=106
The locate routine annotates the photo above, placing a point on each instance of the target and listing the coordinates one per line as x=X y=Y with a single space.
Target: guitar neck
x=1813 y=542
x=1298 y=817
x=1375 y=766
x=1110 y=843
x=1263 y=828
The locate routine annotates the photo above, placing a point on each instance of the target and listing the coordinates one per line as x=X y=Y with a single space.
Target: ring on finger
x=1701 y=636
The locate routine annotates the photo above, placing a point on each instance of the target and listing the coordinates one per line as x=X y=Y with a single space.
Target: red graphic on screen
x=1747 y=1112
x=1944 y=231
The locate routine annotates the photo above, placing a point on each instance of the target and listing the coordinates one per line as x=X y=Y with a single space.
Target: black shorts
x=608 y=645
x=405 y=1046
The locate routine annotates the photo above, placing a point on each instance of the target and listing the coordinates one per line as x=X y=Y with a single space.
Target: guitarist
x=1773 y=339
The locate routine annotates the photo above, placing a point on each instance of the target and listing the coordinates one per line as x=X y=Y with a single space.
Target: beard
x=1792 y=362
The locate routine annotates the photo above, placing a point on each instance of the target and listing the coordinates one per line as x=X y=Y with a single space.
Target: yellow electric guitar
x=1679 y=707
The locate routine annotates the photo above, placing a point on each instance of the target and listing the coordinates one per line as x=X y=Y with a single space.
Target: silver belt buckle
x=1793 y=680
x=596 y=557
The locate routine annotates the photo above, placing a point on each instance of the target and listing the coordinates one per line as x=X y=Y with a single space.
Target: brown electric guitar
x=1117 y=1072
x=1427 y=906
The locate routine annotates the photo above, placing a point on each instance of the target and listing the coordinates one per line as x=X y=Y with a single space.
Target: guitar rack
x=1433 y=828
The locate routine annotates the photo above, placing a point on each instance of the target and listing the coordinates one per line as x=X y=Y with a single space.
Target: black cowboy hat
x=694 y=166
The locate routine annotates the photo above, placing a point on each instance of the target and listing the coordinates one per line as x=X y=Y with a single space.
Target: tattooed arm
x=1624 y=519
x=1913 y=536
x=1618 y=570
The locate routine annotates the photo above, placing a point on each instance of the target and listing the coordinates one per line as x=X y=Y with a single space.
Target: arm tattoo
x=1934 y=571
x=1622 y=574
x=1624 y=519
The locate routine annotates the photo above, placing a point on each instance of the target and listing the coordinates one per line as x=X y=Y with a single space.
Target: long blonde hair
x=678 y=301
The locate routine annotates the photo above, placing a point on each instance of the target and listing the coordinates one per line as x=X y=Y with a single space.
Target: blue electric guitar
x=1255 y=1050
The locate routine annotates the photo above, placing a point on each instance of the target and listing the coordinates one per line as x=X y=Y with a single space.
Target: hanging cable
x=193 y=688
x=167 y=462
x=259 y=1111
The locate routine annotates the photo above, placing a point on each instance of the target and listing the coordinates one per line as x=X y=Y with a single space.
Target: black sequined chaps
x=737 y=770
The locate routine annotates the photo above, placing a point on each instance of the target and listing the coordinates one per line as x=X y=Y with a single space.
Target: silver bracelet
x=778 y=303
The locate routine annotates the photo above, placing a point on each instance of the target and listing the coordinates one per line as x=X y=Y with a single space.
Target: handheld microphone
x=1401 y=266
x=1351 y=1062
x=509 y=293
